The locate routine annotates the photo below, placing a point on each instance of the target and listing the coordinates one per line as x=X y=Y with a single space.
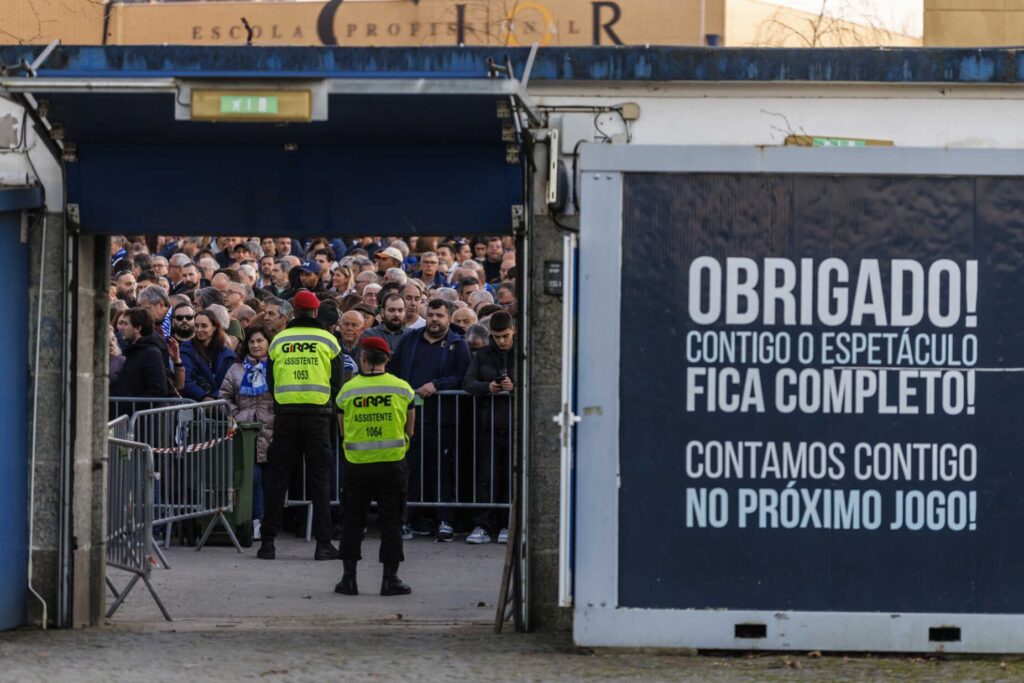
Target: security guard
x=305 y=372
x=376 y=423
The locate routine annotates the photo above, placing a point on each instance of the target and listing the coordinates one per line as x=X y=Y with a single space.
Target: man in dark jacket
x=392 y=326
x=489 y=378
x=432 y=359
x=143 y=373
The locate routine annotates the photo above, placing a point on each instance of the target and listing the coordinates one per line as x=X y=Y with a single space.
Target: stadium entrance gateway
x=816 y=484
x=264 y=142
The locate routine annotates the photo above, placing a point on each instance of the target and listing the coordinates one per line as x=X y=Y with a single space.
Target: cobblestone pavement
x=242 y=619
x=450 y=581
x=298 y=650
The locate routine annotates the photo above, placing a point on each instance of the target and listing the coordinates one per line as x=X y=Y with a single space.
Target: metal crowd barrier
x=129 y=513
x=128 y=405
x=458 y=442
x=193 y=459
x=473 y=434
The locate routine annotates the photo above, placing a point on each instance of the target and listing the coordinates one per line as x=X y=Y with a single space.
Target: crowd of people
x=195 y=318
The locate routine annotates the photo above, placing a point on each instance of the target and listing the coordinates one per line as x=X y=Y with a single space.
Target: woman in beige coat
x=246 y=387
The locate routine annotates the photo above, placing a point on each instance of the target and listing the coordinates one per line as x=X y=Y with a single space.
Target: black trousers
x=295 y=434
x=493 y=454
x=431 y=459
x=385 y=483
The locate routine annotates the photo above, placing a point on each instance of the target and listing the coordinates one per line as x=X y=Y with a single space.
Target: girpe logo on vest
x=298 y=347
x=372 y=401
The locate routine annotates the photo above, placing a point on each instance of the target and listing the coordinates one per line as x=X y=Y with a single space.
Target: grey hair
x=209 y=296
x=446 y=294
x=248 y=270
x=180 y=260
x=401 y=246
x=476 y=332
x=285 y=307
x=153 y=294
x=221 y=314
x=208 y=262
x=398 y=274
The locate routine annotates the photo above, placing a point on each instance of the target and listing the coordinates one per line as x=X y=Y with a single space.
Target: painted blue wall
x=13 y=420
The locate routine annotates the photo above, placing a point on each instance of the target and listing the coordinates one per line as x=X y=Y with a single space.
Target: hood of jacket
x=150 y=340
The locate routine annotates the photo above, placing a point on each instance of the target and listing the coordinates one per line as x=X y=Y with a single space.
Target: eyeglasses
x=179 y=318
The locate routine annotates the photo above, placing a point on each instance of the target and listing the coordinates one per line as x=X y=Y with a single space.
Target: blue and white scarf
x=254 y=379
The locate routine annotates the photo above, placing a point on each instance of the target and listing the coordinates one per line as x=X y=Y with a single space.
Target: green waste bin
x=243 y=459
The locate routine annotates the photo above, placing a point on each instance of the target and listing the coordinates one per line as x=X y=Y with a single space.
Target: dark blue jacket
x=450 y=371
x=200 y=381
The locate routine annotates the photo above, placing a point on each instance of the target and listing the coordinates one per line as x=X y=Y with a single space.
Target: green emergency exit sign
x=833 y=141
x=248 y=105
x=837 y=142
x=240 y=106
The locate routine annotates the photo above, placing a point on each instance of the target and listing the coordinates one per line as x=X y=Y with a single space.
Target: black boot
x=391 y=584
x=266 y=551
x=325 y=551
x=347 y=585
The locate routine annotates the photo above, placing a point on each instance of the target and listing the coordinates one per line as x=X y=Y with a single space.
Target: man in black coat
x=143 y=373
x=489 y=378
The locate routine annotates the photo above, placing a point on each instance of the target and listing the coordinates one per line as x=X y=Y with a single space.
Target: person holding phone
x=489 y=378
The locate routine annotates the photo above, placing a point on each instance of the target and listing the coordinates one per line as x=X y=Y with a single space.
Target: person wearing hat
x=305 y=373
x=376 y=421
x=309 y=276
x=388 y=258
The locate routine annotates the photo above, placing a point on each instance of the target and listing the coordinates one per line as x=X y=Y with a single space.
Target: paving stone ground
x=240 y=619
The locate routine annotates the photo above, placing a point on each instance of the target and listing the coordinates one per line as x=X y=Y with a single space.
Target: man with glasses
x=183 y=326
x=430 y=274
x=507 y=297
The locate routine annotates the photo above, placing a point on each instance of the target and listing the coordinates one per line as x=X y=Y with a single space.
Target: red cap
x=375 y=344
x=306 y=300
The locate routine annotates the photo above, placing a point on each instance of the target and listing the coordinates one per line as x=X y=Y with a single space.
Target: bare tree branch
x=836 y=22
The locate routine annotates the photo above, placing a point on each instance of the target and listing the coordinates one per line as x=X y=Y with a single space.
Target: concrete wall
x=91 y=361
x=47 y=388
x=544 y=349
x=69 y=427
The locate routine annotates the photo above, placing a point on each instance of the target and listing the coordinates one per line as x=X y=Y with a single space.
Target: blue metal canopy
x=422 y=151
x=408 y=158
x=864 y=65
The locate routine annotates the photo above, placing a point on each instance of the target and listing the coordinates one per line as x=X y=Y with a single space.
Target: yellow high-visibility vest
x=302 y=365
x=375 y=410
